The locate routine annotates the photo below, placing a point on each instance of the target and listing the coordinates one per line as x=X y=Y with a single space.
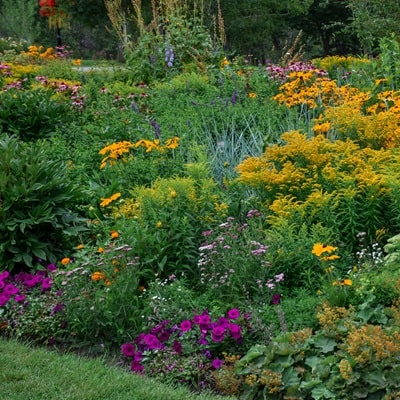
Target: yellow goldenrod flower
x=65 y=261
x=159 y=224
x=173 y=194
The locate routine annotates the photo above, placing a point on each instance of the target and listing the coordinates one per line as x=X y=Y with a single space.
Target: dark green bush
x=35 y=204
x=31 y=114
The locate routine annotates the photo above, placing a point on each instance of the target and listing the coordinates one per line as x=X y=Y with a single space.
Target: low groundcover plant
x=190 y=349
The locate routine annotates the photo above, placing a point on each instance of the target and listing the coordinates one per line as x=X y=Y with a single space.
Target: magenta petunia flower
x=177 y=346
x=164 y=336
x=218 y=333
x=217 y=363
x=137 y=367
x=185 y=325
x=128 y=349
x=151 y=341
x=4 y=275
x=46 y=283
x=223 y=322
x=276 y=299
x=235 y=331
x=4 y=299
x=234 y=313
x=10 y=289
x=51 y=267
x=19 y=298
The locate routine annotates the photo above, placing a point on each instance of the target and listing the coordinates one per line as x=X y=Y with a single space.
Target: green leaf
x=375 y=378
x=325 y=344
x=320 y=392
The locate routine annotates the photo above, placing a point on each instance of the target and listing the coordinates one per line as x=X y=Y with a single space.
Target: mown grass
x=29 y=373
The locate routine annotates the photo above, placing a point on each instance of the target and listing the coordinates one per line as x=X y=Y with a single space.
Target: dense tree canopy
x=256 y=28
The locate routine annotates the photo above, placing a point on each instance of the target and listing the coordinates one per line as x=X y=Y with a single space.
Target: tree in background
x=373 y=20
x=18 y=19
x=326 y=28
x=260 y=28
x=173 y=36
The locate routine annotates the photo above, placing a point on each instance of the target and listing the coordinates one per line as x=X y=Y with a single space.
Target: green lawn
x=28 y=373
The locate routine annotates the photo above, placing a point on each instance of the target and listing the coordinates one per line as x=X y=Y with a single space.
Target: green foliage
x=165 y=222
x=31 y=114
x=156 y=56
x=374 y=20
x=232 y=265
x=36 y=201
x=95 y=290
x=347 y=357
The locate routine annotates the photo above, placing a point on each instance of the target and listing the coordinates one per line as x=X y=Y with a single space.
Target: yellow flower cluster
x=39 y=52
x=345 y=369
x=372 y=344
x=329 y=318
x=118 y=150
x=114 y=152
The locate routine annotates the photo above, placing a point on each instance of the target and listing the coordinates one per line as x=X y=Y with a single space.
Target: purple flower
x=4 y=299
x=185 y=325
x=137 y=367
x=164 y=336
x=51 y=267
x=223 y=322
x=19 y=298
x=203 y=340
x=207 y=354
x=235 y=331
x=218 y=334
x=58 y=307
x=216 y=363
x=234 y=313
x=177 y=346
x=276 y=299
x=4 y=275
x=46 y=283
x=128 y=349
x=151 y=342
x=10 y=289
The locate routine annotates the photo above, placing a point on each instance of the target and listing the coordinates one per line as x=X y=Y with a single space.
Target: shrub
x=36 y=202
x=31 y=114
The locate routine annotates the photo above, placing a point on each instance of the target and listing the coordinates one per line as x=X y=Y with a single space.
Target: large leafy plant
x=36 y=201
x=31 y=114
